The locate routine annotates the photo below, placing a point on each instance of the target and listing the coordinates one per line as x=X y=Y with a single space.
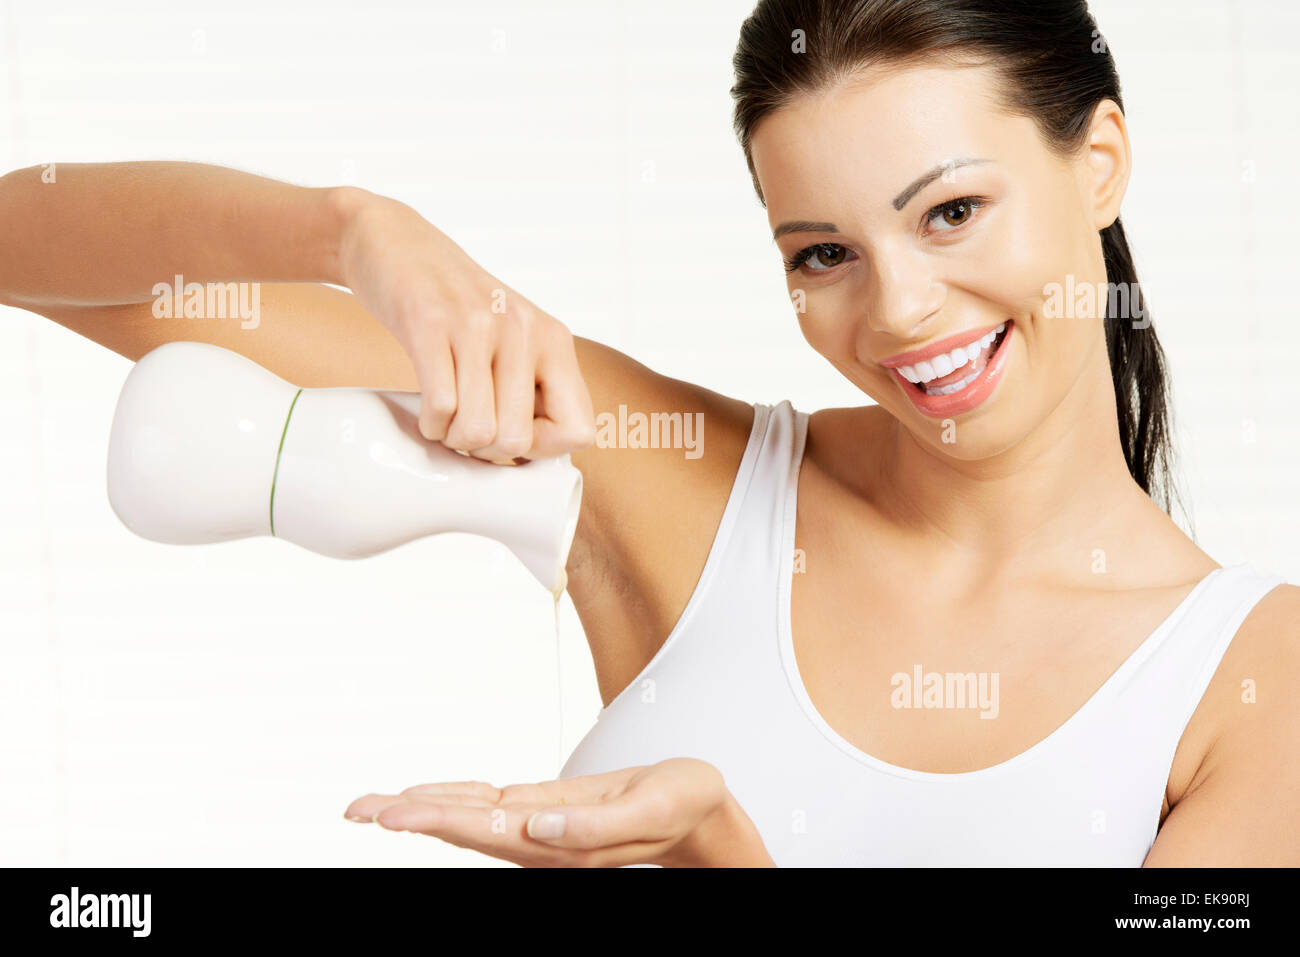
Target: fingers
x=628 y=818
x=492 y=830
x=568 y=421
x=502 y=832
x=364 y=809
x=467 y=820
x=473 y=424
x=516 y=395
x=587 y=788
x=661 y=803
x=501 y=822
x=479 y=789
x=501 y=387
x=436 y=372
x=476 y=345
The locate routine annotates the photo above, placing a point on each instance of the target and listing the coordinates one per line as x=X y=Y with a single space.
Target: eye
x=824 y=255
x=949 y=216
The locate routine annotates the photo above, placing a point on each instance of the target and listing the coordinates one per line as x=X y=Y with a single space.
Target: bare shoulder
x=1239 y=804
x=843 y=446
x=843 y=438
x=664 y=447
x=1254 y=686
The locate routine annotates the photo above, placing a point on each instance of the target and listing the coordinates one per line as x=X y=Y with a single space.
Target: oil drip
x=559 y=675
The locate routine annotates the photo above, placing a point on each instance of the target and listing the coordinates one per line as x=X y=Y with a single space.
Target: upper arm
x=1242 y=808
x=649 y=514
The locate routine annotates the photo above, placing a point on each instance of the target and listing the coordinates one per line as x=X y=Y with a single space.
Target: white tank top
x=724 y=688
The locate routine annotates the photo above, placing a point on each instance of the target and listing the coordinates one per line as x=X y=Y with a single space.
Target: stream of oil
x=559 y=676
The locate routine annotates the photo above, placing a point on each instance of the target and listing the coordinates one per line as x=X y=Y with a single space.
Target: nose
x=906 y=293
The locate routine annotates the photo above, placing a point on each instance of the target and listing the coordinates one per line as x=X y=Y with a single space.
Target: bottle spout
x=540 y=503
x=548 y=566
x=532 y=508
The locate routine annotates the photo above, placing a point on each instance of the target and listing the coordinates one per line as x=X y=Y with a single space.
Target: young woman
x=951 y=627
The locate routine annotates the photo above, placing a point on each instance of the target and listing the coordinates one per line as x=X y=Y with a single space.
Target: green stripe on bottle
x=276 y=473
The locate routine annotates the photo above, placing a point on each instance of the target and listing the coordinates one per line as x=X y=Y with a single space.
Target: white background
x=221 y=705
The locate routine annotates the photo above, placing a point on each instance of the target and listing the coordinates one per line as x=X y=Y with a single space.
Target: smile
x=955 y=374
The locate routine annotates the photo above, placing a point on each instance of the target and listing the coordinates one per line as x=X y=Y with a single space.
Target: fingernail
x=359 y=818
x=545 y=825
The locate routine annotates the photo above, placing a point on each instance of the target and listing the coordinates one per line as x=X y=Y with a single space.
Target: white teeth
x=947 y=364
x=942 y=365
x=955 y=387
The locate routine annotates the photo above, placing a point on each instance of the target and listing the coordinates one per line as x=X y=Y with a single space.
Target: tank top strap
x=758 y=530
x=747 y=557
x=1163 y=683
x=735 y=599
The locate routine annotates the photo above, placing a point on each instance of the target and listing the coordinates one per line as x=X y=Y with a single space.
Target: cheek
x=1059 y=250
x=824 y=319
x=1032 y=249
x=1029 y=250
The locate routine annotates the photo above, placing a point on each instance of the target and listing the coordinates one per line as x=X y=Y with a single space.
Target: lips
x=934 y=349
x=944 y=378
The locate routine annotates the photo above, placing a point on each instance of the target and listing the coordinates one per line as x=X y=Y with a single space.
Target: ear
x=1108 y=162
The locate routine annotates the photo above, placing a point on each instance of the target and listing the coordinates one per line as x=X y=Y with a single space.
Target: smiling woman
x=1042 y=193
x=931 y=170
x=953 y=627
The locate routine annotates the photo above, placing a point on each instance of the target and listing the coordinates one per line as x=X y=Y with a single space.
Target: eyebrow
x=803 y=226
x=901 y=200
x=921 y=182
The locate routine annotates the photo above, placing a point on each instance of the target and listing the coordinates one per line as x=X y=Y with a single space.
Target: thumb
x=626 y=819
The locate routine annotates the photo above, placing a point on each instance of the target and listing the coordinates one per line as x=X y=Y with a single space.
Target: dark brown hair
x=1056 y=68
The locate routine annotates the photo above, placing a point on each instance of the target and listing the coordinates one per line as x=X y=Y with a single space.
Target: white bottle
x=208 y=446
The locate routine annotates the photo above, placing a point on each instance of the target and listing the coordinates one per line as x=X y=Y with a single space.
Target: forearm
x=100 y=234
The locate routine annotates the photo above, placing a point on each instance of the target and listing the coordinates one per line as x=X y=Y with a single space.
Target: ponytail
x=1139 y=372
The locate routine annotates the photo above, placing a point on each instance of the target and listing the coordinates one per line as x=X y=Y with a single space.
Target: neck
x=1044 y=505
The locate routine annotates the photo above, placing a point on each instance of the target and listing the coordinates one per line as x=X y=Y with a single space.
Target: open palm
x=647 y=814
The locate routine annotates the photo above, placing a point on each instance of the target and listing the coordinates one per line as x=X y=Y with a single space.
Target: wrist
x=741 y=844
x=726 y=838
x=345 y=206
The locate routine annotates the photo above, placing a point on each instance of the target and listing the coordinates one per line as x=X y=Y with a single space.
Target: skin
x=917 y=549
x=991 y=537
x=676 y=813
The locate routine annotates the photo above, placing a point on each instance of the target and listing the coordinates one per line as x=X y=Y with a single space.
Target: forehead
x=871 y=134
